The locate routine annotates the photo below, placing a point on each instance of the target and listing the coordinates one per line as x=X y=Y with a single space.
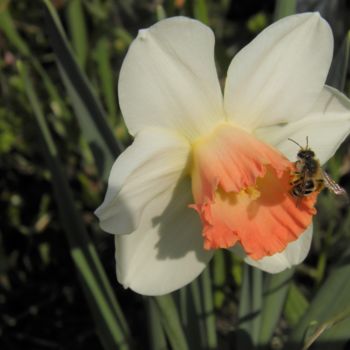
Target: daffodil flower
x=209 y=170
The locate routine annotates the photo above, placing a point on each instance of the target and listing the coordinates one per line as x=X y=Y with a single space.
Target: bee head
x=306 y=154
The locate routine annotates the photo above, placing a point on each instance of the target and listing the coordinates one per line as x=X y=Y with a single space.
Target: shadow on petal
x=180 y=228
x=166 y=252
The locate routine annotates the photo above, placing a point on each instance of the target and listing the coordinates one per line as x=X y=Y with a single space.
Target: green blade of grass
x=274 y=297
x=219 y=278
x=171 y=322
x=250 y=308
x=8 y=27
x=197 y=312
x=111 y=332
x=208 y=310
x=195 y=326
x=88 y=109
x=107 y=78
x=103 y=280
x=296 y=305
x=155 y=329
x=102 y=155
x=160 y=12
x=333 y=333
x=200 y=11
x=331 y=301
x=188 y=301
x=257 y=303
x=284 y=8
x=110 y=321
x=77 y=30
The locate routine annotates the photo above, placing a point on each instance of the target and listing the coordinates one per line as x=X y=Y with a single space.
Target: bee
x=309 y=177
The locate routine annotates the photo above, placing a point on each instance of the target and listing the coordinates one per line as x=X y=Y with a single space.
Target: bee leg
x=320 y=185
x=296 y=196
x=296 y=180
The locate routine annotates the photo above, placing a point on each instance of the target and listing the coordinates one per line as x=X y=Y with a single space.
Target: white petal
x=169 y=78
x=167 y=256
x=294 y=254
x=326 y=126
x=279 y=75
x=147 y=172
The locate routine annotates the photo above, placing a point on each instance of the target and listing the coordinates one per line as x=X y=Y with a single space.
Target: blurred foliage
x=42 y=301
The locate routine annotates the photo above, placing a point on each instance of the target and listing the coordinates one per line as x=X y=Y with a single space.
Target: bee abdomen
x=303 y=189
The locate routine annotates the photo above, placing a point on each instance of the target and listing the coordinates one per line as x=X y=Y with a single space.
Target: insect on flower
x=309 y=177
x=207 y=169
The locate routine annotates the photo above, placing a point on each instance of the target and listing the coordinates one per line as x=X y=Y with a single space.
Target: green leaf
x=171 y=322
x=195 y=312
x=102 y=155
x=87 y=107
x=8 y=27
x=326 y=309
x=296 y=305
x=106 y=75
x=188 y=300
x=274 y=296
x=160 y=11
x=200 y=10
x=109 y=319
x=250 y=308
x=219 y=278
x=77 y=30
x=156 y=332
x=330 y=334
x=208 y=310
x=196 y=306
x=111 y=332
x=284 y=8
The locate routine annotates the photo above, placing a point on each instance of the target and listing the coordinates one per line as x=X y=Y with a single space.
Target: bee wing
x=333 y=186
